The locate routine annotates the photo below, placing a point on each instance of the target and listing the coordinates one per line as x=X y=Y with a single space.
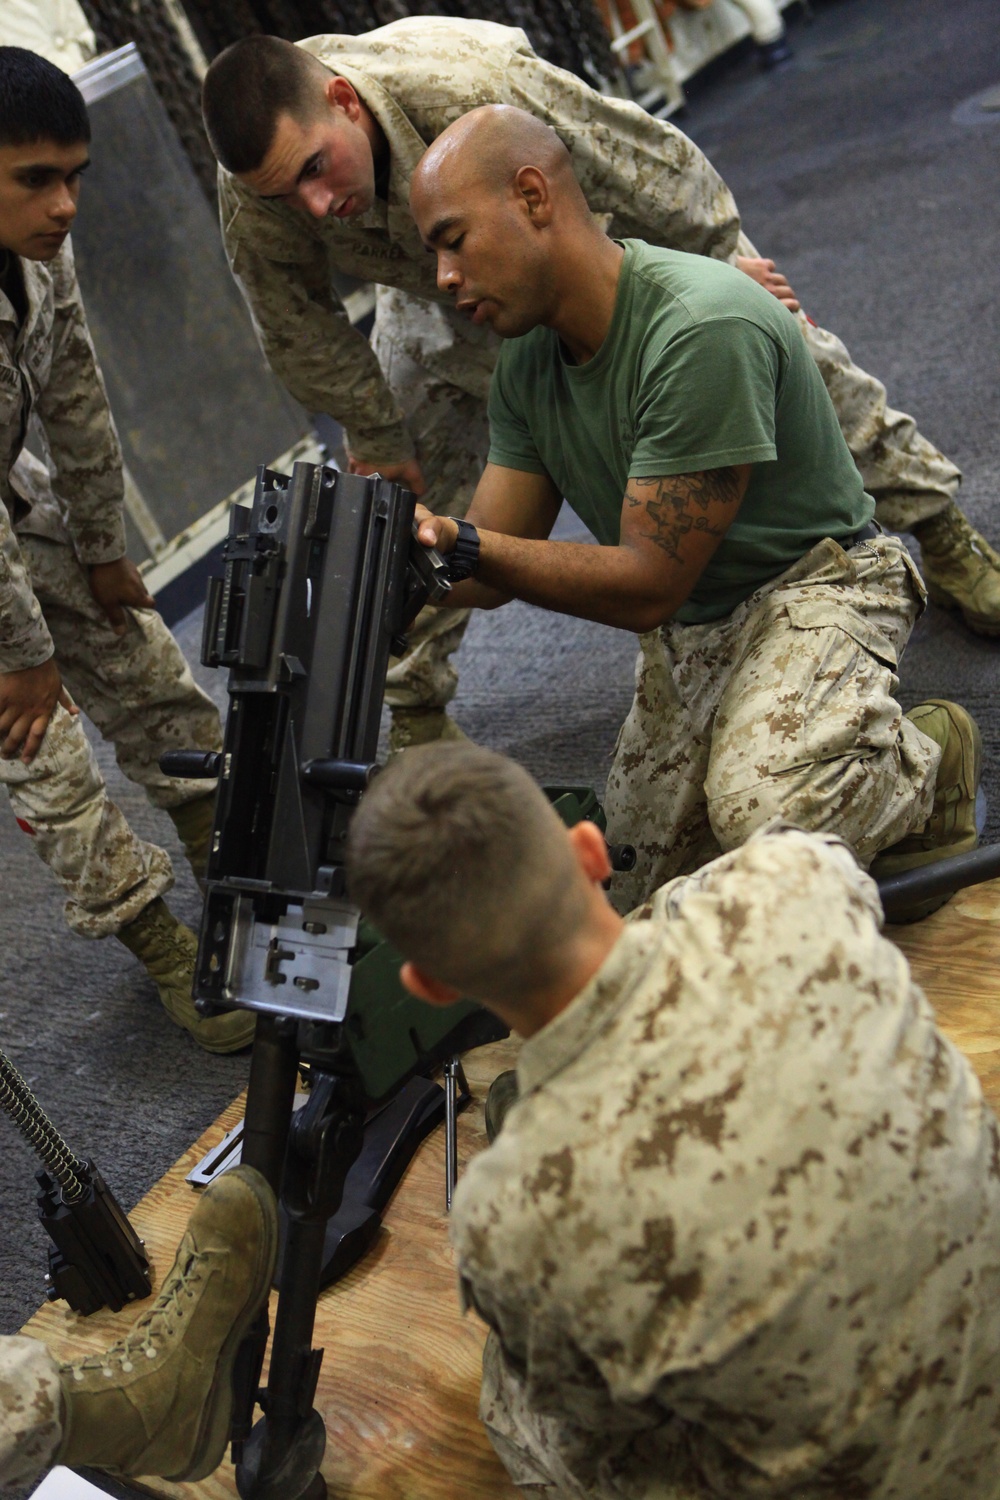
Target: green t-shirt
x=701 y=369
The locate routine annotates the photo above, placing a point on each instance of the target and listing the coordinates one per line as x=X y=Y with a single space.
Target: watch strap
x=463 y=559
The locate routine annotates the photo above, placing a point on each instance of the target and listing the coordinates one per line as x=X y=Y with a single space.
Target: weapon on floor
x=322 y=578
x=323 y=574
x=916 y=893
x=96 y=1259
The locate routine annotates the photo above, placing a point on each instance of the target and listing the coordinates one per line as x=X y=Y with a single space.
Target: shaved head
x=495 y=198
x=491 y=145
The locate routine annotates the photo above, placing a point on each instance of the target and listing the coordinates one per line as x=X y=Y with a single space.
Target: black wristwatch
x=463 y=559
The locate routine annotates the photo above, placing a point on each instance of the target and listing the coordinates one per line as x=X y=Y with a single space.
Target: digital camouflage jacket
x=740 y=1236
x=49 y=371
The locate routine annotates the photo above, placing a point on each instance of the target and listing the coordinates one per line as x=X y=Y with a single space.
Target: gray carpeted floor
x=868 y=171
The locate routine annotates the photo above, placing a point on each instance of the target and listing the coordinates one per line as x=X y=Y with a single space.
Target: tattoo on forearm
x=673 y=504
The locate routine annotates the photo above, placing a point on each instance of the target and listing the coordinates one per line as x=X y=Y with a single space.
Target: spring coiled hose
x=40 y=1133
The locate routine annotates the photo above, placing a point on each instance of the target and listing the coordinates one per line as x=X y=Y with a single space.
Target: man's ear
x=532 y=187
x=591 y=850
x=426 y=987
x=341 y=95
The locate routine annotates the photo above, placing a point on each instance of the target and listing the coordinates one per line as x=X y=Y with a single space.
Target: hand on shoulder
x=764 y=273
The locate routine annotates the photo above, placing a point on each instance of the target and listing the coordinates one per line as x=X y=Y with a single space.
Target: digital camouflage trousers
x=30 y=1410
x=784 y=708
x=139 y=691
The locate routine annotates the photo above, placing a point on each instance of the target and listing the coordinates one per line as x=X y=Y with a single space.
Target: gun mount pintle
x=322 y=575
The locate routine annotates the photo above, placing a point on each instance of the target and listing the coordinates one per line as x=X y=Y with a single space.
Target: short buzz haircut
x=247 y=88
x=39 y=102
x=457 y=857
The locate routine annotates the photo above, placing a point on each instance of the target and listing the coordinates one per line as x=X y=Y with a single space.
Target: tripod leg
x=452 y=1068
x=274 y=1068
x=270 y=1099
x=281 y=1458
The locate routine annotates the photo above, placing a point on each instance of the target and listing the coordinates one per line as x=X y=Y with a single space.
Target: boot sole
x=981 y=624
x=934 y=903
x=213 y=1434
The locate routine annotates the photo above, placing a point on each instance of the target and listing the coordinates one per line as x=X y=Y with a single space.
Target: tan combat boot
x=421 y=726
x=160 y=1402
x=167 y=950
x=961 y=569
x=951 y=827
x=193 y=821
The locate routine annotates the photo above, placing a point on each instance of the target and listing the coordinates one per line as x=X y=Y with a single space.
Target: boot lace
x=155 y=1328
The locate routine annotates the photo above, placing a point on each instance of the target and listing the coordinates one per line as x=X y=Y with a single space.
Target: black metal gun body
x=322 y=578
x=313 y=595
x=96 y=1259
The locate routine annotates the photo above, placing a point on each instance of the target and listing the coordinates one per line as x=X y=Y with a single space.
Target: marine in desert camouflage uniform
x=673 y=404
x=740 y=1234
x=74 y=613
x=420 y=388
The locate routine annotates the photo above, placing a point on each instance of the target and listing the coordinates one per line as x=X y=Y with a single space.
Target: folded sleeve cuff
x=33 y=648
x=100 y=544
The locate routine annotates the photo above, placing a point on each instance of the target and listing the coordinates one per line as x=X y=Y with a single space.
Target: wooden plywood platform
x=399 y=1386
x=955 y=957
x=400 y=1378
